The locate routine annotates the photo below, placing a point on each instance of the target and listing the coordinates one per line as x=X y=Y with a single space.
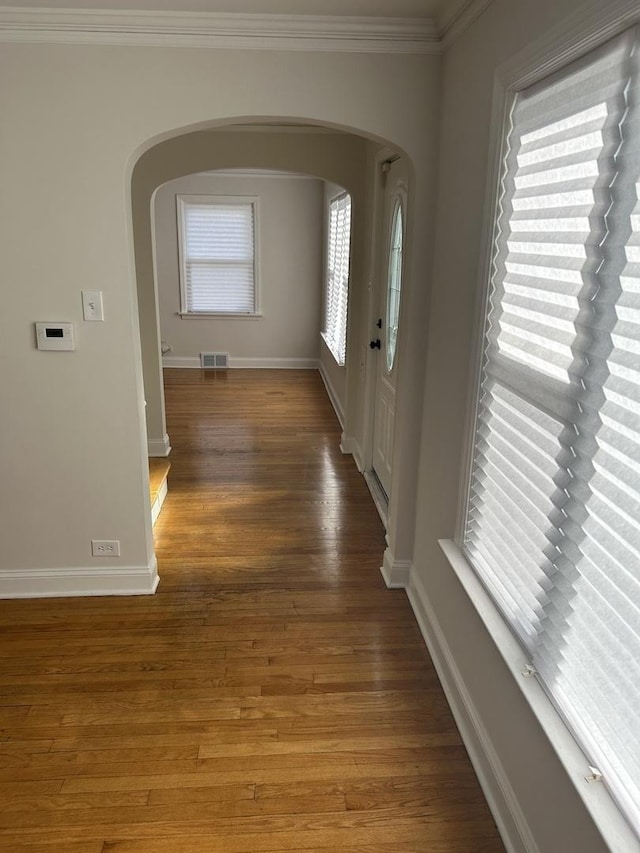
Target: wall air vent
x=214 y=360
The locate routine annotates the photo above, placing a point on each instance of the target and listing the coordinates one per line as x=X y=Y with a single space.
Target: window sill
x=219 y=316
x=604 y=812
x=329 y=346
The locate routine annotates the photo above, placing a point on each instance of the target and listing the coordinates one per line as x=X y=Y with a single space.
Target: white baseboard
x=92 y=580
x=159 y=446
x=331 y=391
x=501 y=798
x=190 y=361
x=276 y=363
x=157 y=504
x=193 y=362
x=350 y=445
x=395 y=572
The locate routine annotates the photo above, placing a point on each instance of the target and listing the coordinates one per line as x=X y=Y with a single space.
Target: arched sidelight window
x=394 y=283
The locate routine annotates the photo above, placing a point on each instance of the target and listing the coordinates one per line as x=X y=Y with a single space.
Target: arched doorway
x=339 y=155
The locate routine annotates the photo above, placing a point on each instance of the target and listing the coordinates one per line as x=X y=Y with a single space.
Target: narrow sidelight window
x=337 y=283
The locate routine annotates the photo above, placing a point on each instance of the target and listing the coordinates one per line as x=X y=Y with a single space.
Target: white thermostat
x=55 y=336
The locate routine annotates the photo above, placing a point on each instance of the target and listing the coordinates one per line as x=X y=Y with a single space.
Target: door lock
x=375 y=344
x=379 y=323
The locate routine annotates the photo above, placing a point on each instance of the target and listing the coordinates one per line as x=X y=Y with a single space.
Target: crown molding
x=452 y=27
x=571 y=38
x=217 y=30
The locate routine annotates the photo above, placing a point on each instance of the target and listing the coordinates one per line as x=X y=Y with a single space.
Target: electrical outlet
x=105 y=547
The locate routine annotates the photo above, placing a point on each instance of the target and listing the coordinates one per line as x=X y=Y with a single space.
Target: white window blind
x=337 y=294
x=217 y=255
x=553 y=521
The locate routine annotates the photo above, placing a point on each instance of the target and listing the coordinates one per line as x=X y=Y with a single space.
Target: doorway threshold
x=378 y=494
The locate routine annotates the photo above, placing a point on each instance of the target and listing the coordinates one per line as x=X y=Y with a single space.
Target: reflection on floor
x=158 y=473
x=272 y=696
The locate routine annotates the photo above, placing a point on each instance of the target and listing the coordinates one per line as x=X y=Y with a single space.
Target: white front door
x=385 y=342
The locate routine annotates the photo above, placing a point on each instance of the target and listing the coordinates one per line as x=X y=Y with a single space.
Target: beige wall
x=555 y=814
x=76 y=118
x=289 y=264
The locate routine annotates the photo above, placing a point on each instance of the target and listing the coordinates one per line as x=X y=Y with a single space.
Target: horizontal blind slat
x=219 y=262
x=337 y=280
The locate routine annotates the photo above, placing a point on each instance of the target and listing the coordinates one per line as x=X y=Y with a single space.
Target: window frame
x=394 y=265
x=213 y=200
x=331 y=340
x=565 y=43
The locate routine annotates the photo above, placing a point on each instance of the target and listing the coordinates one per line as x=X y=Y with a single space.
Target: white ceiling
x=440 y=10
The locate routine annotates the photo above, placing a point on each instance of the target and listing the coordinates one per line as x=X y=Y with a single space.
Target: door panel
x=383 y=434
x=388 y=305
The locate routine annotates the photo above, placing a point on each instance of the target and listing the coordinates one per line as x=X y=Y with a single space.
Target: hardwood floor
x=272 y=696
x=158 y=470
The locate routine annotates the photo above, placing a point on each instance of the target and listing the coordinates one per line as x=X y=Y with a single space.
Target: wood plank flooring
x=158 y=471
x=272 y=696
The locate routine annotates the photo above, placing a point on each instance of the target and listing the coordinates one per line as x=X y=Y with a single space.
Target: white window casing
x=337 y=276
x=218 y=251
x=553 y=514
x=394 y=281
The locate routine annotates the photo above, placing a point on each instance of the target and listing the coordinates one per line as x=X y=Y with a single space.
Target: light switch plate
x=92 y=309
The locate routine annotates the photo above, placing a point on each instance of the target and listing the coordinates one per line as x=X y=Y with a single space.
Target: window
x=217 y=255
x=553 y=514
x=337 y=294
x=394 y=284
